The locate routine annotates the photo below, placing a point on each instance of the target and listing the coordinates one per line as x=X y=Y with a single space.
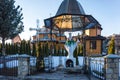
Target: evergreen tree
x=75 y=52
x=111 y=47
x=39 y=50
x=80 y=50
x=76 y=55
x=23 y=47
x=46 y=49
x=10 y=21
x=7 y=48
x=0 y=49
x=13 y=49
x=66 y=53
x=29 y=48
x=34 y=50
x=54 y=50
x=10 y=50
x=17 y=48
x=59 y=54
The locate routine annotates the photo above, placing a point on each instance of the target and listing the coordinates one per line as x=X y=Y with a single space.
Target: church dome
x=70 y=7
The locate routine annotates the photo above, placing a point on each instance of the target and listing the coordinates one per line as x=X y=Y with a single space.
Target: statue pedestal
x=70 y=46
x=70 y=62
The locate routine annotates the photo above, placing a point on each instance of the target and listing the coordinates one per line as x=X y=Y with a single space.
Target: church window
x=45 y=36
x=93 y=44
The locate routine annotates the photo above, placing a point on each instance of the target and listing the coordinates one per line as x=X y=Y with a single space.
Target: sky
x=106 y=12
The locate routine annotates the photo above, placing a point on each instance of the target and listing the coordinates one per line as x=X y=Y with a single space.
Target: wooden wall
x=93 y=51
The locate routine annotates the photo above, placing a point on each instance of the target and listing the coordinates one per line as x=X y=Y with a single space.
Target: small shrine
x=72 y=17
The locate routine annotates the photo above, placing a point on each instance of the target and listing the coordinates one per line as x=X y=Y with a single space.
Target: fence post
x=112 y=67
x=23 y=66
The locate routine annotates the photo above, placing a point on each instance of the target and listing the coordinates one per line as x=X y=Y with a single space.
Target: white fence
x=56 y=60
x=97 y=68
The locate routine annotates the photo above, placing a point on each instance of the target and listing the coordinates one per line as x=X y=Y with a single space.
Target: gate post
x=23 y=66
x=112 y=67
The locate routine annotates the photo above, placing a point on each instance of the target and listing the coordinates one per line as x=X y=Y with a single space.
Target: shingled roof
x=70 y=7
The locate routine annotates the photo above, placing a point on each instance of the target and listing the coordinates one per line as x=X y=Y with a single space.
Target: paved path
x=58 y=75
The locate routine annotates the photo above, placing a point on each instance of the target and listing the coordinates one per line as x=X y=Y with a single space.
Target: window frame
x=93 y=44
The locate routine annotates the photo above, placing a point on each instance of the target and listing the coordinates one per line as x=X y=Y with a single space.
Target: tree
x=23 y=47
x=28 y=48
x=39 y=50
x=16 y=49
x=10 y=21
x=46 y=49
x=76 y=55
x=7 y=48
x=111 y=46
x=80 y=50
x=0 y=48
x=34 y=50
x=10 y=49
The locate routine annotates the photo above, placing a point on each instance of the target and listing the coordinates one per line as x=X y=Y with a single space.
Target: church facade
x=72 y=11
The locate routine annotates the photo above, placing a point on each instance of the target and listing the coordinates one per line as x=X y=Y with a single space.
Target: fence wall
x=15 y=66
x=8 y=66
x=96 y=67
x=105 y=68
x=23 y=66
x=99 y=67
x=112 y=67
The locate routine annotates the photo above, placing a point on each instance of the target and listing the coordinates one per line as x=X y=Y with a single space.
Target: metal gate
x=96 y=67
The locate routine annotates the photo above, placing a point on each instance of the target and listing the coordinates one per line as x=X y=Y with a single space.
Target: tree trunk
x=3 y=46
x=77 y=61
x=3 y=52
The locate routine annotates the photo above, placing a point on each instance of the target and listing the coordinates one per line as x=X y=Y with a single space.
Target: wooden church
x=71 y=17
x=93 y=39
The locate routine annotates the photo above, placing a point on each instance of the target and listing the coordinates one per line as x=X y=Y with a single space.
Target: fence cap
x=20 y=56
x=112 y=56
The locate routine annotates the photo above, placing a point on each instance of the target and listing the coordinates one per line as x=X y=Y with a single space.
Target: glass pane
x=92 y=44
x=48 y=23
x=77 y=22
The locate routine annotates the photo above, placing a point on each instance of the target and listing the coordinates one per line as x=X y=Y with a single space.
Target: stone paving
x=58 y=75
